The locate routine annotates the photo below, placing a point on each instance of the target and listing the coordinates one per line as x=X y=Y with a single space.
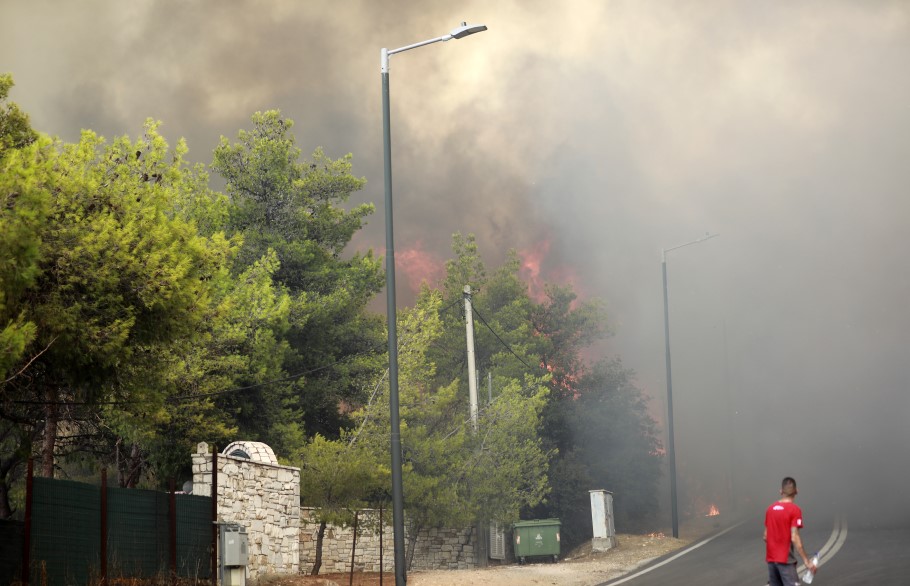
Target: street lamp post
x=671 y=442
x=397 y=492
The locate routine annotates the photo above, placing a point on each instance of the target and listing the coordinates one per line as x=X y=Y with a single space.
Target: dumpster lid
x=536 y=523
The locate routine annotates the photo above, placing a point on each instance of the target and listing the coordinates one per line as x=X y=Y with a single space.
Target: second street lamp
x=671 y=441
x=397 y=492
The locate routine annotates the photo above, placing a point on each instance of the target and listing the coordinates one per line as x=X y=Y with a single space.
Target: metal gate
x=497 y=541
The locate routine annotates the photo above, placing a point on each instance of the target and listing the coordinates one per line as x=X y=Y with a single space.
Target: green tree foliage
x=142 y=312
x=338 y=478
x=507 y=469
x=611 y=442
x=24 y=197
x=133 y=322
x=594 y=424
x=25 y=193
x=504 y=339
x=235 y=350
x=597 y=421
x=119 y=269
x=15 y=129
x=115 y=277
x=452 y=474
x=279 y=202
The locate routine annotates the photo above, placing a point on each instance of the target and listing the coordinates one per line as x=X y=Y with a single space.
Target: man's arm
x=794 y=535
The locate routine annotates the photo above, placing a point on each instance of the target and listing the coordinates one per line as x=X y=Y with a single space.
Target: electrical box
x=602 y=520
x=236 y=546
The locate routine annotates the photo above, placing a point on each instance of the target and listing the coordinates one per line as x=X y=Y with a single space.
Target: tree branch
x=29 y=363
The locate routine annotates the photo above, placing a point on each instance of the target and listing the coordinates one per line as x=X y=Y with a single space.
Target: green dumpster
x=537 y=538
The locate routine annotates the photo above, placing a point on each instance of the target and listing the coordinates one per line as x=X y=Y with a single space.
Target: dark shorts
x=782 y=575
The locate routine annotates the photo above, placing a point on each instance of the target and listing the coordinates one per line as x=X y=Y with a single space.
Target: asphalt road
x=852 y=552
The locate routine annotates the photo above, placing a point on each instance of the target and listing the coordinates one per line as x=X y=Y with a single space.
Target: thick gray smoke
x=599 y=134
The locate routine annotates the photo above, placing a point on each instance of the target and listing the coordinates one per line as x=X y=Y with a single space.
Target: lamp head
x=467 y=29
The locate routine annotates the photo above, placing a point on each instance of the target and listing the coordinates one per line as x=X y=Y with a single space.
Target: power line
x=450 y=306
x=486 y=407
x=288 y=378
x=209 y=394
x=501 y=341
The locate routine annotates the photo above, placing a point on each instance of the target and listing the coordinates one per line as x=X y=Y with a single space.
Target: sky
x=590 y=136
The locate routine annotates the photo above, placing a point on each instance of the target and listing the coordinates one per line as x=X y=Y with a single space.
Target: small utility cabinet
x=536 y=539
x=234 y=554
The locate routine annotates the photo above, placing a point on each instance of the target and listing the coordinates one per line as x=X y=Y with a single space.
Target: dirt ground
x=581 y=567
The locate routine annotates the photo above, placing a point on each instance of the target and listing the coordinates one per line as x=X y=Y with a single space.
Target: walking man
x=783 y=520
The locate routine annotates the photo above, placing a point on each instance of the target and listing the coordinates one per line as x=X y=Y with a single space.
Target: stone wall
x=444 y=549
x=436 y=549
x=260 y=495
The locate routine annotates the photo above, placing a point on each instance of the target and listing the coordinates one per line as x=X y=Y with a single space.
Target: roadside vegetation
x=142 y=311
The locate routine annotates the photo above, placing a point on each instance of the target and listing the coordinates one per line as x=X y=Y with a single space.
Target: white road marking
x=679 y=555
x=834 y=543
x=831 y=547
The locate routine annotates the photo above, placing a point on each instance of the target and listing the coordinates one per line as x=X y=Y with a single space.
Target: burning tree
x=595 y=425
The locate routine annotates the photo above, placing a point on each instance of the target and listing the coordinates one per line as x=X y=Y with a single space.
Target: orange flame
x=538 y=272
x=712 y=512
x=530 y=268
x=419 y=266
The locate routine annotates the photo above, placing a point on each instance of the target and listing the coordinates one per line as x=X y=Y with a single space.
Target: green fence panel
x=11 y=535
x=194 y=536
x=66 y=532
x=137 y=534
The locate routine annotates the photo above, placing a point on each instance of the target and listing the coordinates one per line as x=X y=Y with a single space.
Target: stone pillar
x=202 y=470
x=259 y=494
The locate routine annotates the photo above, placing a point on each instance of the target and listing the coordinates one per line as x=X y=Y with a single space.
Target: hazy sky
x=592 y=135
